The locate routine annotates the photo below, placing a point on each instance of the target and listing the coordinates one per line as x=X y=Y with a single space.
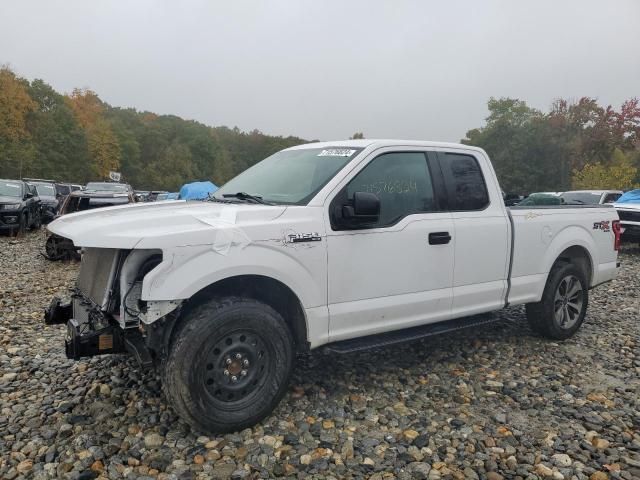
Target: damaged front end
x=106 y=313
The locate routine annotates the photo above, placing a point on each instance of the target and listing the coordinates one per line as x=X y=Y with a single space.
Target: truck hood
x=165 y=224
x=627 y=206
x=9 y=200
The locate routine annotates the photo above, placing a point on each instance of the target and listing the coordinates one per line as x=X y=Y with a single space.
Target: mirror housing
x=365 y=208
x=28 y=195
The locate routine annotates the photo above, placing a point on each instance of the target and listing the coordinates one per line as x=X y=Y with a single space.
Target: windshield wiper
x=247 y=197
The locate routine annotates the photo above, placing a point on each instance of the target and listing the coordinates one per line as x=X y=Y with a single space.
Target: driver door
x=396 y=272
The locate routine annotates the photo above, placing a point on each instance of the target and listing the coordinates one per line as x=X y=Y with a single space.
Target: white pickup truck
x=340 y=245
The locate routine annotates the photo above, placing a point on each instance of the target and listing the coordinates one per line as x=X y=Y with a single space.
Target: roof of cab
x=371 y=142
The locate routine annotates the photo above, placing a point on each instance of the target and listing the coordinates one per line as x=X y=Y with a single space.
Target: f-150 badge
x=303 y=237
x=604 y=225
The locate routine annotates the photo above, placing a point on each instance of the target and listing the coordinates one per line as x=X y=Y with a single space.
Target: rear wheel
x=229 y=364
x=563 y=306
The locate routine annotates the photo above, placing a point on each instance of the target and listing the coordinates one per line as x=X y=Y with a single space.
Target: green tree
x=59 y=140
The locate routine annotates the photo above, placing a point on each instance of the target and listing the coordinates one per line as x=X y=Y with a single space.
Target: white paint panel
x=365 y=267
x=377 y=315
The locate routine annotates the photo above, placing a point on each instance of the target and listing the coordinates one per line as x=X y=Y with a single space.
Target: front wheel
x=229 y=364
x=22 y=225
x=37 y=222
x=563 y=306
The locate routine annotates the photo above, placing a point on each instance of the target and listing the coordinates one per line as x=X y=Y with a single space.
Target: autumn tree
x=104 y=149
x=619 y=173
x=16 y=151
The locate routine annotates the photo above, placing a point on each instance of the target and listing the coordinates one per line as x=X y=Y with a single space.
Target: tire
x=228 y=365
x=22 y=225
x=52 y=251
x=37 y=223
x=561 y=311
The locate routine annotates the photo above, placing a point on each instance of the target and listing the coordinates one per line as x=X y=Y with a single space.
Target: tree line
x=77 y=137
x=575 y=145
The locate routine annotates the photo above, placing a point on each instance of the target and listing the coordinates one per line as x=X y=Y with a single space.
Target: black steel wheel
x=229 y=364
x=234 y=367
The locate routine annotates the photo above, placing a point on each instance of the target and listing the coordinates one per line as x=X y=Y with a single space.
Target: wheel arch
x=579 y=256
x=573 y=244
x=264 y=289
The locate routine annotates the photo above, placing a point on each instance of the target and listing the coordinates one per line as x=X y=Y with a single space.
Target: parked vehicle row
x=574 y=197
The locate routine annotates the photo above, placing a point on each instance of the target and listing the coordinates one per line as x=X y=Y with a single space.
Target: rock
x=500 y=418
x=328 y=424
x=305 y=459
x=410 y=435
x=419 y=470
x=223 y=471
x=153 y=440
x=543 y=470
x=561 y=460
x=600 y=443
x=494 y=476
x=25 y=466
x=347 y=450
x=599 y=476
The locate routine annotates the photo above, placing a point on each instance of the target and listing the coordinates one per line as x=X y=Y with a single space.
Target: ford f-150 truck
x=340 y=245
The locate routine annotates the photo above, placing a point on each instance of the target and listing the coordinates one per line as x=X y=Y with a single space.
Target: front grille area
x=629 y=215
x=97 y=272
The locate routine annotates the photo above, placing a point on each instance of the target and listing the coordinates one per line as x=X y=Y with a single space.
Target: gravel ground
x=496 y=403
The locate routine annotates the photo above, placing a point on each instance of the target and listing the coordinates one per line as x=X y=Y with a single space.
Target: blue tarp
x=197 y=190
x=632 y=196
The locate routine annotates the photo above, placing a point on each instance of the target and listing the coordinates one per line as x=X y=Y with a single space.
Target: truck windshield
x=10 y=189
x=45 y=190
x=290 y=177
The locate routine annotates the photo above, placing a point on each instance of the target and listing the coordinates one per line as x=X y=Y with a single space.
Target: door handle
x=439 y=238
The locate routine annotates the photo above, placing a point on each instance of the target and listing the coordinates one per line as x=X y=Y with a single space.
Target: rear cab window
x=466 y=187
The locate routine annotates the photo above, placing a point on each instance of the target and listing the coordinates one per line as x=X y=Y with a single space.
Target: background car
x=59 y=248
x=49 y=199
x=628 y=208
x=19 y=206
x=591 y=197
x=109 y=187
x=541 y=198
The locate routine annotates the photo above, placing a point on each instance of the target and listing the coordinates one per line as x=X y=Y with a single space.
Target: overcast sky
x=326 y=69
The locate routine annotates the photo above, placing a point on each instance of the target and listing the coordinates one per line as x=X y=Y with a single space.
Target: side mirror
x=28 y=195
x=365 y=208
